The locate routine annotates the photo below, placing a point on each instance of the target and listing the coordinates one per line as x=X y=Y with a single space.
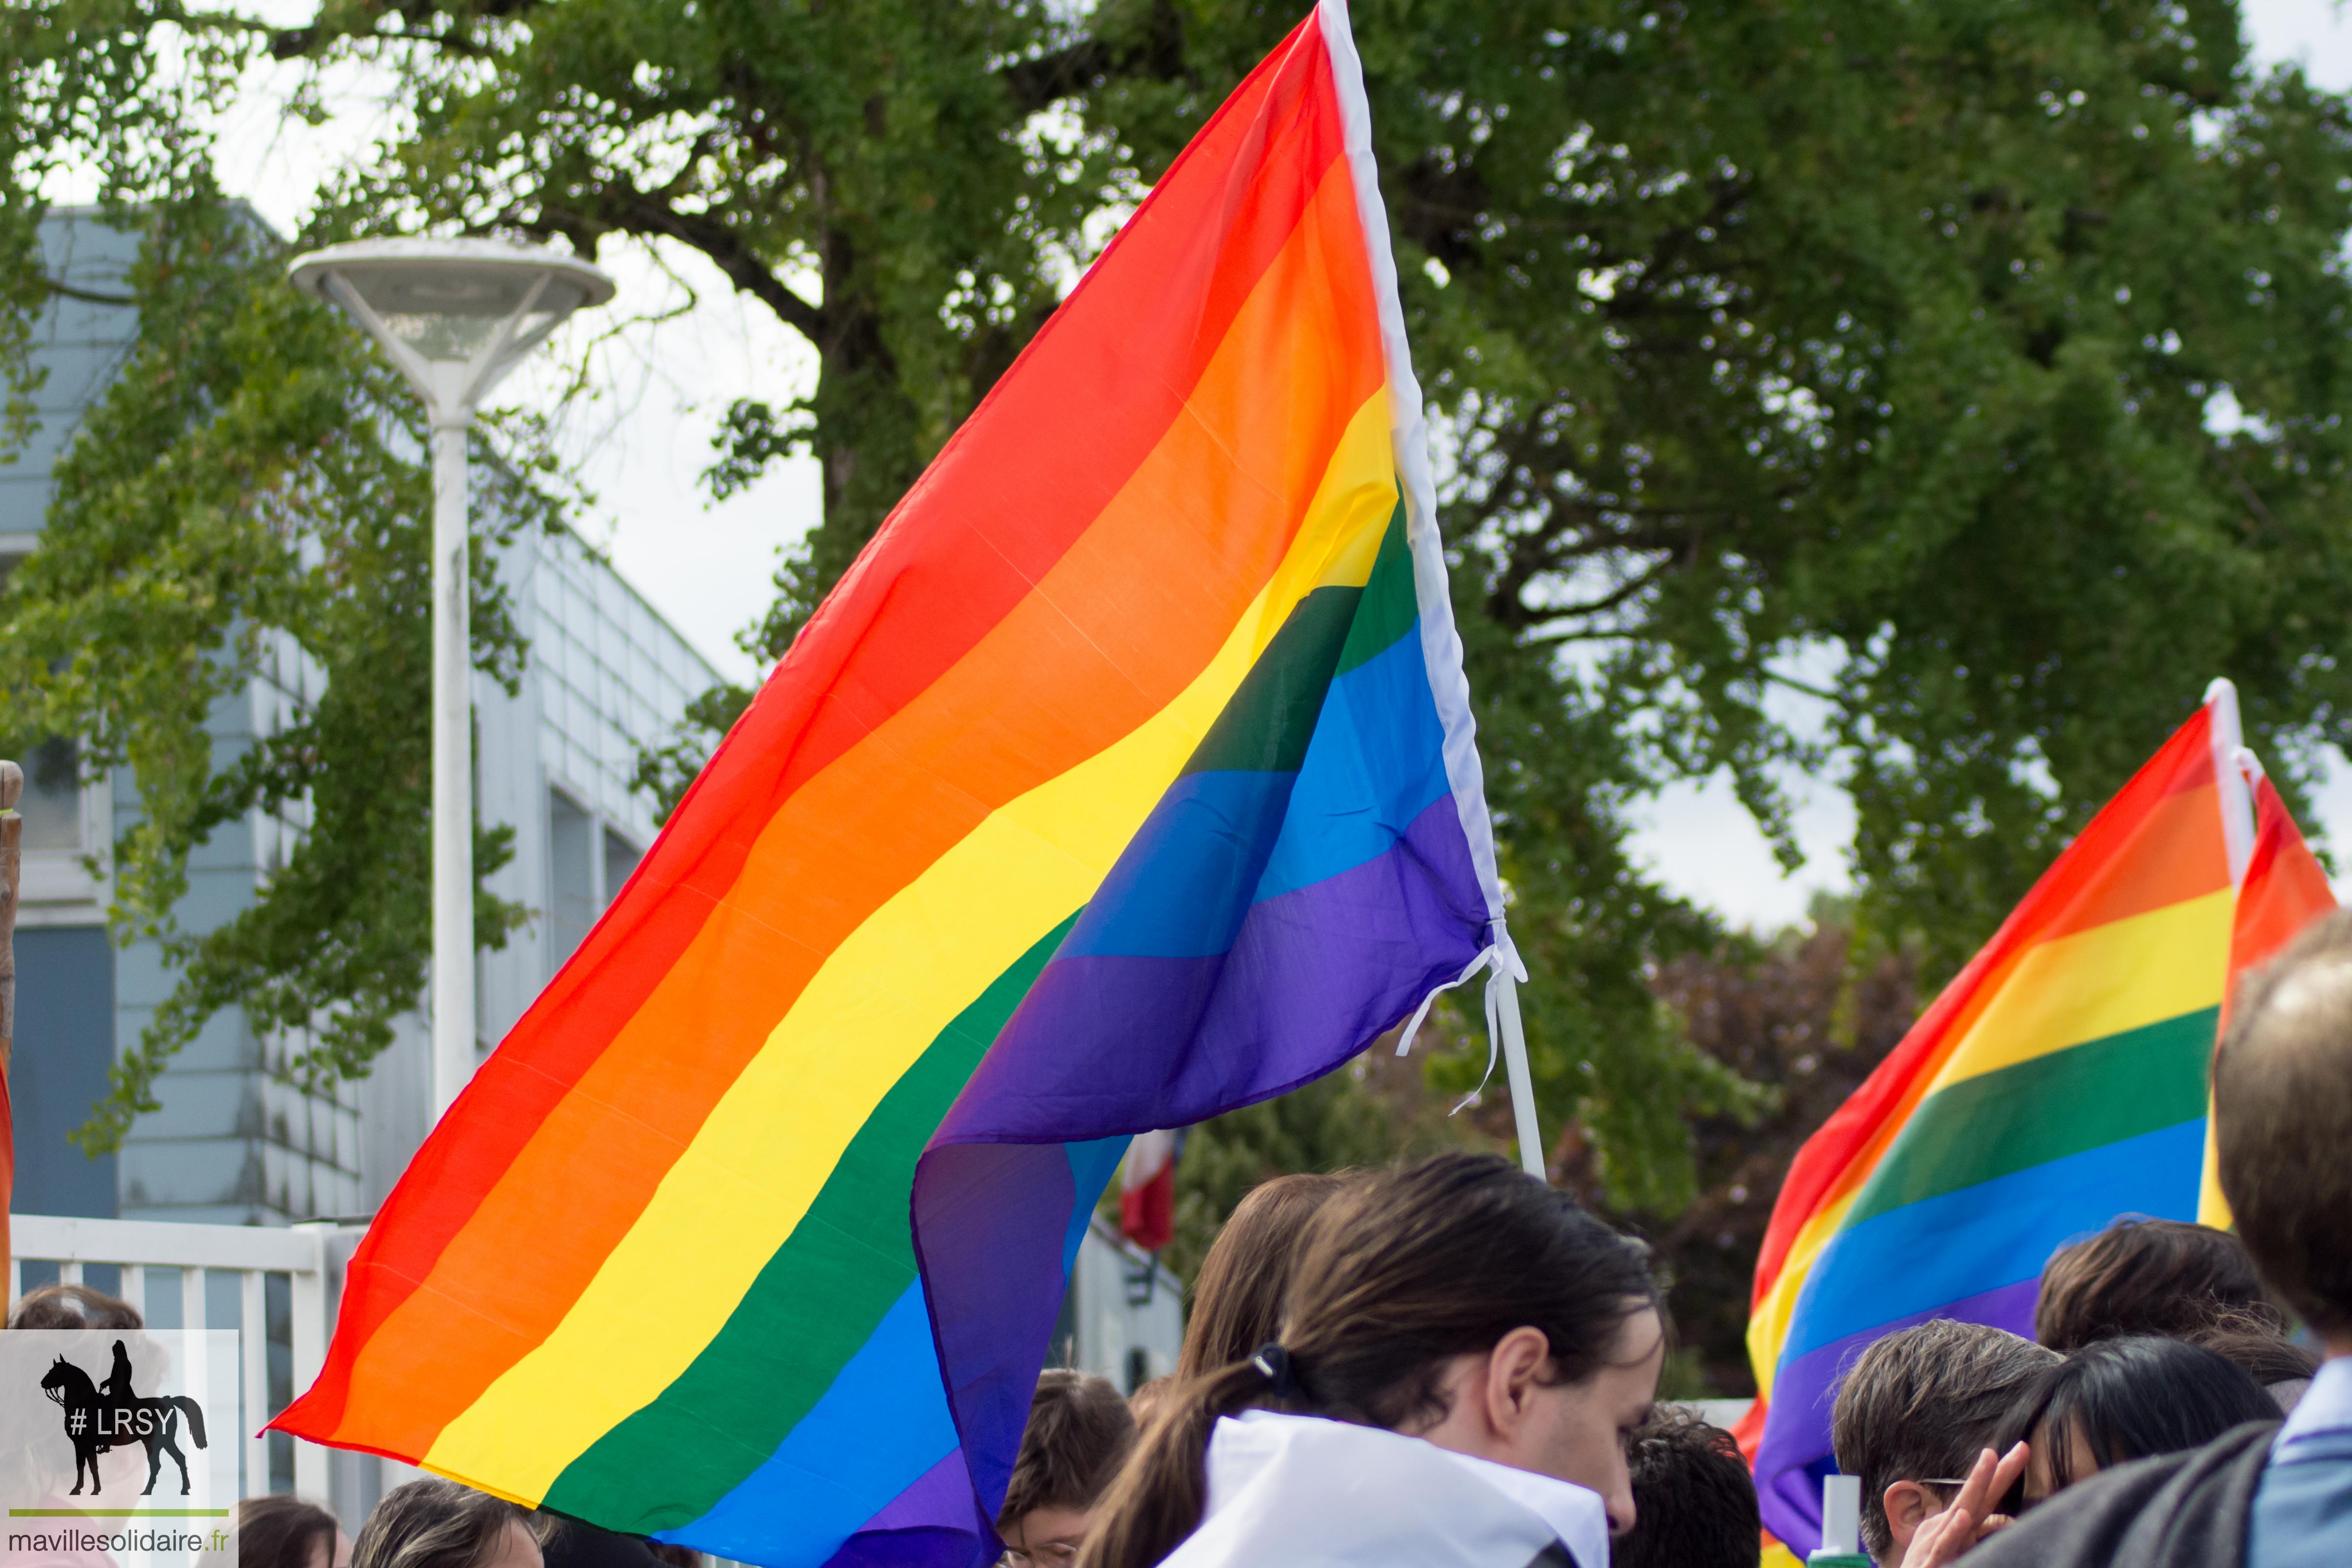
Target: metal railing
x=308 y=1256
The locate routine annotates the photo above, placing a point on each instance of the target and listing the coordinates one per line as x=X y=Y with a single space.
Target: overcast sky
x=658 y=387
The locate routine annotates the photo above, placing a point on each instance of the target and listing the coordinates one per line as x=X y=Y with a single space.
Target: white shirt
x=1309 y=1493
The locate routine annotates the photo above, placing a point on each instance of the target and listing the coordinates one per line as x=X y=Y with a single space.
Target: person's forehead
x=1048 y=1526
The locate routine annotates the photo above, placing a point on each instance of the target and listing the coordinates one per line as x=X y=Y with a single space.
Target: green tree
x=886 y=179
x=1808 y=1016
x=251 y=490
x=1962 y=377
x=1968 y=374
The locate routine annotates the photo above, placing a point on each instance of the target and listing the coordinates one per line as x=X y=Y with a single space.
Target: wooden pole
x=12 y=864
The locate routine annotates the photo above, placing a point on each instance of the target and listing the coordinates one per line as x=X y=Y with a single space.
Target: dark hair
x=1078 y=1434
x=1694 y=1501
x=73 y=1307
x=2254 y=1342
x=2133 y=1398
x=1920 y=1404
x=567 y=1543
x=434 y=1523
x=1236 y=1303
x=1398 y=1273
x=281 y=1531
x=2282 y=1120
x=2145 y=1277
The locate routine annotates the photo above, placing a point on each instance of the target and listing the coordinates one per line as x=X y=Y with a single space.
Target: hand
x=1942 y=1537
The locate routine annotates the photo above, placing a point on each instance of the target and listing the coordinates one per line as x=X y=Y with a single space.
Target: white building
x=605 y=673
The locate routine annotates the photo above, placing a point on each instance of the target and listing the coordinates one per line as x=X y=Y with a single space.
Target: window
x=51 y=805
x=571 y=873
x=621 y=857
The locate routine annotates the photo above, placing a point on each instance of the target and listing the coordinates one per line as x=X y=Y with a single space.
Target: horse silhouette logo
x=112 y=1415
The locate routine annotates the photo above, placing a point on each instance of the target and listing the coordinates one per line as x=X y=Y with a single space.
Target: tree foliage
x=252 y=490
x=1868 y=361
x=1807 y=1018
x=1929 y=397
x=883 y=178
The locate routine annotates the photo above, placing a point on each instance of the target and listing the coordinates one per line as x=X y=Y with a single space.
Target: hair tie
x=1274 y=1364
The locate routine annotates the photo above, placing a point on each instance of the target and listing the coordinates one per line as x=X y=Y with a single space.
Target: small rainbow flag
x=2057 y=1083
x=1128 y=777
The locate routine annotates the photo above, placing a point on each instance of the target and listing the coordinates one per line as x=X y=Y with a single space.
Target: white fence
x=309 y=1256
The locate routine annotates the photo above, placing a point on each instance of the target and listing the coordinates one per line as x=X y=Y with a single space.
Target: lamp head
x=455 y=314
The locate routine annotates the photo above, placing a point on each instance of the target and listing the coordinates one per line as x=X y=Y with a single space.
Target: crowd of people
x=1449 y=1363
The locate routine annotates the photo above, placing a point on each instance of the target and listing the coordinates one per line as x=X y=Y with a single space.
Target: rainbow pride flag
x=2057 y=1083
x=1128 y=777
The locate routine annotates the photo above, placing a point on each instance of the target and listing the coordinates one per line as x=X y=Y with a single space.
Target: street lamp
x=455 y=315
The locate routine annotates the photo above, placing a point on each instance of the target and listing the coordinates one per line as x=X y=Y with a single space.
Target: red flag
x=1146 y=1190
x=2285 y=888
x=2283 y=891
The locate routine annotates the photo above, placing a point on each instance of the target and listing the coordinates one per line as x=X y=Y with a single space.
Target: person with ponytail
x=1462 y=1354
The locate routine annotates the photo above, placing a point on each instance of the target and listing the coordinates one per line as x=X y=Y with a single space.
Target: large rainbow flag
x=1126 y=777
x=2057 y=1083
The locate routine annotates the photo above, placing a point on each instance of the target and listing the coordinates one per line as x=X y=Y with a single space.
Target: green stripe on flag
x=1271 y=716
x=2099 y=1092
x=814 y=1303
x=1390 y=606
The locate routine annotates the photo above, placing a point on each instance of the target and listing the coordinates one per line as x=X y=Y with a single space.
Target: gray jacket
x=2177 y=1511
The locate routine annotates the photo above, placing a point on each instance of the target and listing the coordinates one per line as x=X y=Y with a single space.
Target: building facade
x=234 y=1144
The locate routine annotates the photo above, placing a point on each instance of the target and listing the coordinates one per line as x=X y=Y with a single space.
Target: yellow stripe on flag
x=2126 y=975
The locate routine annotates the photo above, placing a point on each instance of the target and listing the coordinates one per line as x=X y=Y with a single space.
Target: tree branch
x=630 y=211
x=1158 y=55
x=415 y=18
x=87 y=296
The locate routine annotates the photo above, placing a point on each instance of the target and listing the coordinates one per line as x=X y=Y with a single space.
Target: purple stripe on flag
x=946 y=1481
x=909 y=1532
x=1106 y=1044
x=1794 y=1453
x=995 y=1225
x=1104 y=1047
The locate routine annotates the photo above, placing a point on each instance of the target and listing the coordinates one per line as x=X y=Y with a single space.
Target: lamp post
x=455 y=315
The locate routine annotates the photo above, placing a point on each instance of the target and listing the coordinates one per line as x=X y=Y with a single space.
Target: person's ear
x=1515 y=1369
x=1909 y=1506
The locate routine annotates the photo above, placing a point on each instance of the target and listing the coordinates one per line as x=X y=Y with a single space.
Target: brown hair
x=1920 y=1404
x=73 y=1307
x=1146 y=1401
x=2147 y=1277
x=1398 y=1273
x=1079 y=1432
x=281 y=1532
x=2253 y=1341
x=434 y=1523
x=2282 y=1120
x=1236 y=1302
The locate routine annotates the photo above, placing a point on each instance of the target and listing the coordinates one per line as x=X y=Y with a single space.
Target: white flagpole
x=1504 y=989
